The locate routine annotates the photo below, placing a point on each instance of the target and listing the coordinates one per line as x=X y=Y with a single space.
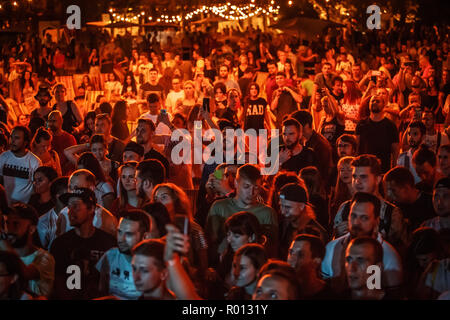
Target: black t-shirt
x=148 y=88
x=286 y=105
x=254 y=114
x=115 y=150
x=153 y=154
x=304 y=159
x=377 y=138
x=419 y=211
x=70 y=249
x=41 y=208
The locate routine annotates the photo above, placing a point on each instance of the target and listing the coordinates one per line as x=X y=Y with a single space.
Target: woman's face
x=90 y=123
x=27 y=75
x=129 y=80
x=60 y=93
x=111 y=77
x=127 y=178
x=236 y=240
x=164 y=196
x=85 y=80
x=219 y=95
x=188 y=90
x=253 y=91
x=41 y=183
x=24 y=120
x=345 y=173
x=244 y=271
x=42 y=147
x=98 y=149
x=178 y=123
x=344 y=88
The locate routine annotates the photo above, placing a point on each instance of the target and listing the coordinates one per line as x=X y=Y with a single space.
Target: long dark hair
x=133 y=83
x=13 y=266
x=23 y=81
x=90 y=162
x=119 y=112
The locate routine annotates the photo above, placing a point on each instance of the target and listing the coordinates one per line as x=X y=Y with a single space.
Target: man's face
x=337 y=88
x=140 y=186
x=147 y=275
x=102 y=126
x=426 y=172
x=443 y=160
x=154 y=107
x=280 y=81
x=272 y=69
x=272 y=288
x=243 y=270
x=300 y=255
x=130 y=156
x=176 y=85
x=362 y=221
x=376 y=104
x=246 y=190
x=382 y=92
x=363 y=180
x=223 y=72
x=78 y=212
x=291 y=210
x=345 y=149
x=428 y=120
x=143 y=133
x=54 y=122
x=414 y=137
x=19 y=230
x=396 y=193
x=441 y=201
x=60 y=94
x=357 y=259
x=128 y=235
x=17 y=141
x=326 y=69
x=153 y=76
x=291 y=136
x=43 y=100
x=356 y=71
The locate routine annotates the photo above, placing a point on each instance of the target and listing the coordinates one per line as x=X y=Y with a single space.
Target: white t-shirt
x=116 y=268
x=18 y=175
x=402 y=162
x=102 y=189
x=437 y=223
x=431 y=140
x=45 y=264
x=439 y=277
x=46 y=228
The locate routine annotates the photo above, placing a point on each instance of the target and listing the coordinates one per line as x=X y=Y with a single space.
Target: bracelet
x=171 y=262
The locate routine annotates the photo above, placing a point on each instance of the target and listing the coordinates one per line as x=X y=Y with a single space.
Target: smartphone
x=218 y=174
x=376 y=73
x=163 y=111
x=205 y=105
x=186 y=226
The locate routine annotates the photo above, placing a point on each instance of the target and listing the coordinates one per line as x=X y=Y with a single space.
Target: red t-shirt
x=59 y=143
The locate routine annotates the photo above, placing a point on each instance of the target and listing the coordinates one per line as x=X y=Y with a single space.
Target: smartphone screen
x=206 y=104
x=186 y=226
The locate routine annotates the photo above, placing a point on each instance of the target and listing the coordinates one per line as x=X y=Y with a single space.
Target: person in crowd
x=41 y=147
x=416 y=134
x=441 y=206
x=119 y=117
x=133 y=152
x=70 y=113
x=425 y=162
x=41 y=199
x=103 y=125
x=13 y=285
x=443 y=160
x=285 y=98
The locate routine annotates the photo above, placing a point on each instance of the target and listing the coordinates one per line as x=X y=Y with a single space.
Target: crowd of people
x=94 y=206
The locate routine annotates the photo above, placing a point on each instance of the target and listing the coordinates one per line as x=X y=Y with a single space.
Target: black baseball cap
x=135 y=147
x=23 y=211
x=293 y=192
x=87 y=195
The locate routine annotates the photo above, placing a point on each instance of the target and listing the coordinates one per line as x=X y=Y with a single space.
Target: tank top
x=69 y=119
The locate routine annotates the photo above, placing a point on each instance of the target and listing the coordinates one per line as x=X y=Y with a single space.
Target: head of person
x=356 y=70
x=280 y=79
x=272 y=68
x=350 y=90
x=383 y=92
x=336 y=84
x=144 y=131
x=173 y=198
x=364 y=215
x=133 y=151
x=425 y=246
x=99 y=146
x=153 y=75
x=243 y=228
x=416 y=133
x=88 y=161
x=253 y=90
x=366 y=174
x=223 y=71
x=105 y=107
x=428 y=119
x=119 y=112
x=176 y=84
x=443 y=158
x=398 y=185
x=21 y=222
x=12 y=278
x=277 y=280
x=247 y=261
x=134 y=226
x=441 y=197
x=59 y=91
x=306 y=252
x=424 y=161
x=55 y=121
x=103 y=124
x=41 y=142
x=305 y=119
x=361 y=253
x=149 y=269
x=281 y=179
x=43 y=96
x=149 y=173
x=247 y=183
x=326 y=69
x=19 y=139
x=127 y=181
x=346 y=145
x=345 y=170
x=81 y=203
x=293 y=202
x=376 y=104
x=220 y=91
x=292 y=133
x=179 y=121
x=58 y=187
x=42 y=178
x=311 y=176
x=81 y=178
x=154 y=103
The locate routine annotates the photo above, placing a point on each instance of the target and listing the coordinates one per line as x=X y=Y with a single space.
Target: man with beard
x=425 y=164
x=38 y=264
x=144 y=136
x=305 y=256
x=364 y=220
x=103 y=125
x=149 y=173
x=441 y=204
x=61 y=140
x=17 y=166
x=294 y=156
x=247 y=184
x=116 y=273
x=39 y=116
x=378 y=135
x=297 y=217
x=285 y=98
x=416 y=133
x=76 y=252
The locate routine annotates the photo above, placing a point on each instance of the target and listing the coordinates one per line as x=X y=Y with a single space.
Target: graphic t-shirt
x=117 y=270
x=45 y=264
x=18 y=175
x=254 y=115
